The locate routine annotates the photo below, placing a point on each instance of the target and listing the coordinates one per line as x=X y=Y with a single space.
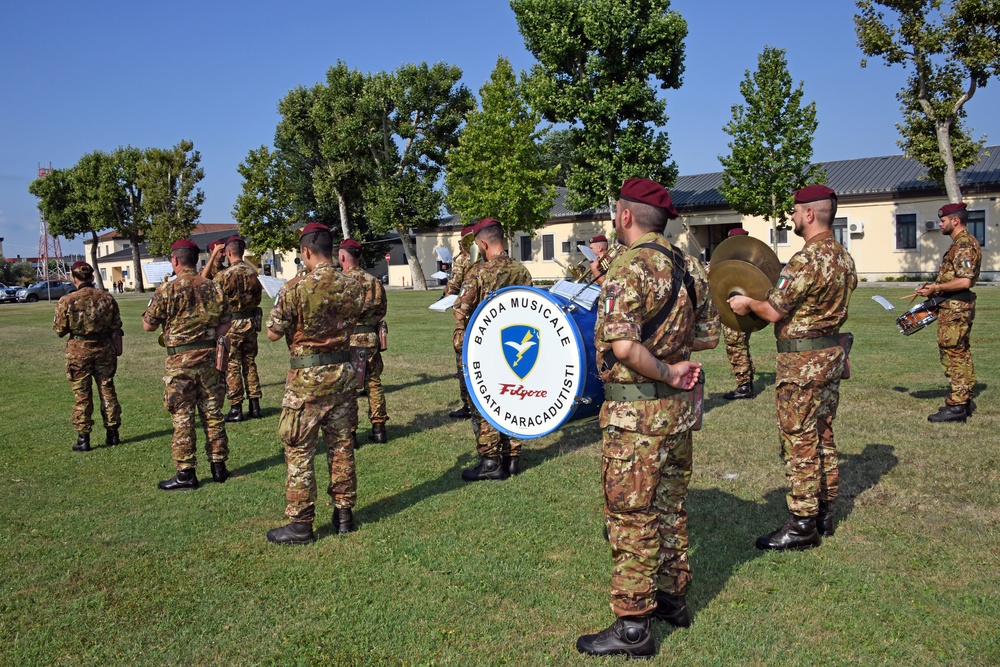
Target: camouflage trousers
x=954 y=328
x=241 y=374
x=377 y=413
x=805 y=425
x=457 y=341
x=82 y=365
x=645 y=479
x=738 y=351
x=491 y=443
x=199 y=387
x=299 y=429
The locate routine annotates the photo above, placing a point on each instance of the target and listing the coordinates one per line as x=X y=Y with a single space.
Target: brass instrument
x=742 y=265
x=468 y=244
x=604 y=262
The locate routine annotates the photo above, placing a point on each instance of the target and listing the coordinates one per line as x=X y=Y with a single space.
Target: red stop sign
x=387 y=257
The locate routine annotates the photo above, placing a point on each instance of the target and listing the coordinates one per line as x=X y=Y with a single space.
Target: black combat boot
x=799 y=532
x=378 y=434
x=255 y=409
x=513 y=465
x=182 y=481
x=343 y=520
x=462 y=413
x=742 y=391
x=354 y=441
x=82 y=443
x=629 y=635
x=824 y=520
x=672 y=609
x=489 y=468
x=950 y=413
x=219 y=472
x=112 y=439
x=235 y=413
x=292 y=533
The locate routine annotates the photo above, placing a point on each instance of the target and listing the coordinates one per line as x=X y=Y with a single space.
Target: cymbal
x=749 y=249
x=731 y=277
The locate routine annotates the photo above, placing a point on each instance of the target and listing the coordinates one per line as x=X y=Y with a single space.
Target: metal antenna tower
x=48 y=245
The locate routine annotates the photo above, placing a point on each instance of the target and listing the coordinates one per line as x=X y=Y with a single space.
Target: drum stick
x=908 y=296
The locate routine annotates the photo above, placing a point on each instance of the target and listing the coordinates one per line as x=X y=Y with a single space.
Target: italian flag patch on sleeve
x=782 y=282
x=609 y=304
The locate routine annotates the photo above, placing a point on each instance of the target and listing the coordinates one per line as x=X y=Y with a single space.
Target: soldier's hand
x=684 y=374
x=740 y=304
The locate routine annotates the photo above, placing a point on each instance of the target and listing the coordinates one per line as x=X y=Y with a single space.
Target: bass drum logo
x=520 y=348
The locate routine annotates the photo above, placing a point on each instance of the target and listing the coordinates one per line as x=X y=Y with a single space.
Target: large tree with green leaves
x=265 y=207
x=415 y=113
x=168 y=179
x=953 y=49
x=598 y=63
x=771 y=147
x=495 y=170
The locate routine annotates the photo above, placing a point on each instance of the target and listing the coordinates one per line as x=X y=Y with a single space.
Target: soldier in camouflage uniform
x=808 y=306
x=194 y=314
x=644 y=346
x=92 y=320
x=499 y=454
x=458 y=270
x=738 y=352
x=316 y=313
x=216 y=259
x=956 y=278
x=242 y=289
x=365 y=335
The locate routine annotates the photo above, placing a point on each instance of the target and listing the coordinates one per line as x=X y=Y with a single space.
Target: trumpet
x=604 y=262
x=468 y=244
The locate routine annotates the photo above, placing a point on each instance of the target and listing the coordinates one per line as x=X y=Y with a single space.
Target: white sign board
x=271 y=285
x=443 y=254
x=444 y=304
x=155 y=271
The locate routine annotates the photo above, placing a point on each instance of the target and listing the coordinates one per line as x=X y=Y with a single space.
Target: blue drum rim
x=581 y=363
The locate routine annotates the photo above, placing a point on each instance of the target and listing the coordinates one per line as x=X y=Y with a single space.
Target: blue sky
x=77 y=77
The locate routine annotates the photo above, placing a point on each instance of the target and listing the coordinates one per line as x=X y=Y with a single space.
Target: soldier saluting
x=91 y=318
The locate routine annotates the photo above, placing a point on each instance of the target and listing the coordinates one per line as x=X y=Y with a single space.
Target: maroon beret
x=184 y=243
x=349 y=244
x=467 y=230
x=738 y=231
x=951 y=209
x=645 y=191
x=600 y=238
x=78 y=265
x=235 y=239
x=483 y=224
x=216 y=242
x=313 y=227
x=815 y=192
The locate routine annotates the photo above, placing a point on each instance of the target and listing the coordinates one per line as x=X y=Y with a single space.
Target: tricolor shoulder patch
x=609 y=304
x=782 y=282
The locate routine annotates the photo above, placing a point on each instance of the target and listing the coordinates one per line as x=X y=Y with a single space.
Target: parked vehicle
x=8 y=294
x=52 y=289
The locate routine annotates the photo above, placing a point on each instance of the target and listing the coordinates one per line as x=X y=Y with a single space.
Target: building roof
x=201 y=239
x=891 y=176
x=200 y=228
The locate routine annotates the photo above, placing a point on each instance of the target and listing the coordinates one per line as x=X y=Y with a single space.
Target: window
x=977 y=226
x=548 y=247
x=840 y=231
x=104 y=274
x=566 y=247
x=525 y=244
x=126 y=246
x=782 y=236
x=906 y=231
x=98 y=251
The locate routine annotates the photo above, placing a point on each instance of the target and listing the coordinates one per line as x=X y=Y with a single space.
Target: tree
x=952 y=53
x=322 y=138
x=558 y=150
x=598 y=60
x=771 y=144
x=414 y=116
x=172 y=200
x=264 y=209
x=495 y=170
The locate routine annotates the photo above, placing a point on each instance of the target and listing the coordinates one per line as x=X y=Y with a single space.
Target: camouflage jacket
x=485 y=278
x=813 y=294
x=962 y=260
x=190 y=308
x=373 y=308
x=240 y=285
x=317 y=312
x=87 y=311
x=459 y=267
x=638 y=283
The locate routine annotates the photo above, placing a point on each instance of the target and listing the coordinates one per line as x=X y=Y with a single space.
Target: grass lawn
x=100 y=567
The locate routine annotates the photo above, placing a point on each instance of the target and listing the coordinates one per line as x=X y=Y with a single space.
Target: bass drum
x=529 y=361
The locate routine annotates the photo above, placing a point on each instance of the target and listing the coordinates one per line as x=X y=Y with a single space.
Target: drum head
x=524 y=362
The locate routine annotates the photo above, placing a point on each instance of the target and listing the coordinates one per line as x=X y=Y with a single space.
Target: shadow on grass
x=132 y=439
x=723 y=528
x=421 y=379
x=760 y=385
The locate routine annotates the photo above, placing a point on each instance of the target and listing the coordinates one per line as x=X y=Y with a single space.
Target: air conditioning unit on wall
x=856 y=227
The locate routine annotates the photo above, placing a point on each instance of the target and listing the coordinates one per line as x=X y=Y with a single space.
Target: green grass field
x=99 y=567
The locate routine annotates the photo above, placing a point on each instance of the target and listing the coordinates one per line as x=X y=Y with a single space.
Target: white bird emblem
x=521 y=347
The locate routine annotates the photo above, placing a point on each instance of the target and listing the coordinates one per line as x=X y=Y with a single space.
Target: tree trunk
x=774 y=223
x=93 y=260
x=345 y=222
x=950 y=174
x=411 y=258
x=136 y=265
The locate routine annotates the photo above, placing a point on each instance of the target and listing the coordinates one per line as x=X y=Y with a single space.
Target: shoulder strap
x=678 y=274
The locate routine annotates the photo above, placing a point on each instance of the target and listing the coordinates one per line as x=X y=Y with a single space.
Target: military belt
x=365 y=328
x=310 y=360
x=199 y=345
x=98 y=337
x=245 y=314
x=641 y=391
x=807 y=344
x=966 y=296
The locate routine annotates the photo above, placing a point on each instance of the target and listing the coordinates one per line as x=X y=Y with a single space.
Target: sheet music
x=587 y=252
x=439 y=275
x=155 y=271
x=444 y=304
x=271 y=285
x=584 y=295
x=444 y=254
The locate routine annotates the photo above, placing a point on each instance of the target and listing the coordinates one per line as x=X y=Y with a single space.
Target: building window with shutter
x=525 y=244
x=906 y=231
x=977 y=226
x=548 y=247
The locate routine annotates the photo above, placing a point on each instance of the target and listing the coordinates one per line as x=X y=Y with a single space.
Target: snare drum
x=529 y=361
x=916 y=318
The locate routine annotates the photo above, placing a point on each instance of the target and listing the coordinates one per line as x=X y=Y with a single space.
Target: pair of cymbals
x=742 y=265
